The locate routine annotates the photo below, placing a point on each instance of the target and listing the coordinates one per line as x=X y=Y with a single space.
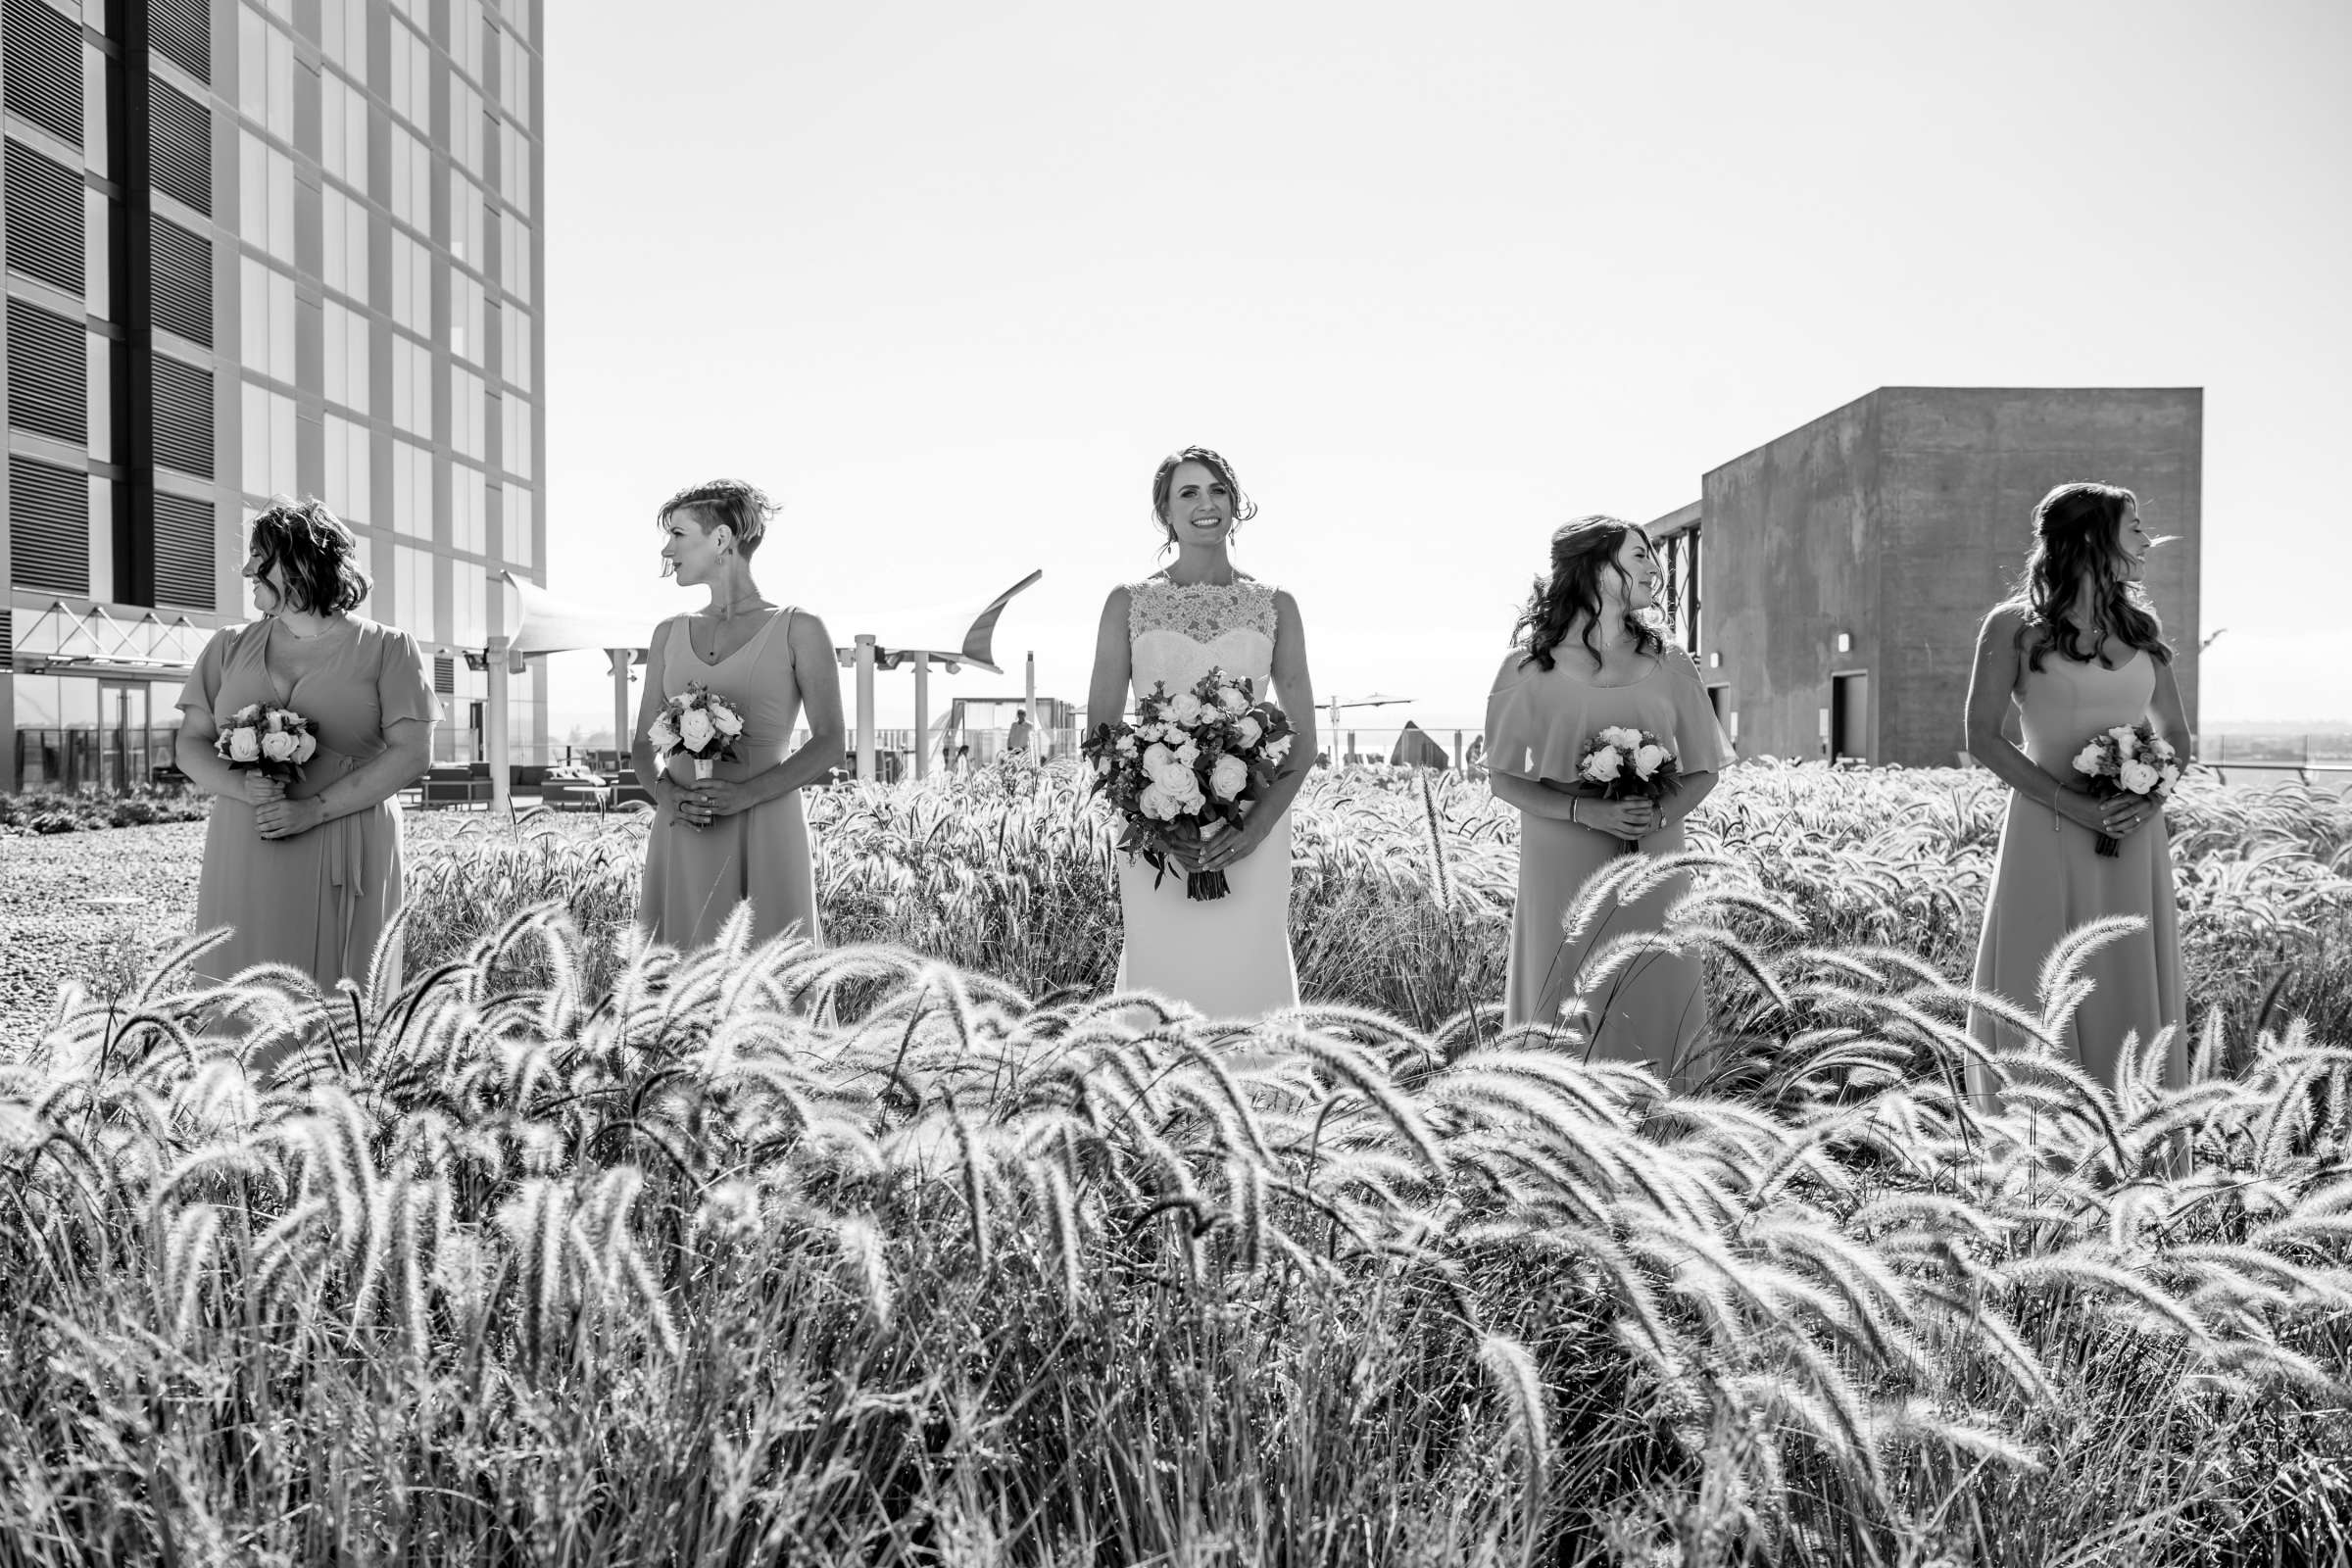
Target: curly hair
x=2075 y=530
x=1581 y=551
x=1164 y=480
x=318 y=554
x=732 y=503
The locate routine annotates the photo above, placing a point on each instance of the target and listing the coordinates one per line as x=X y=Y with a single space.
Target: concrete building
x=258 y=248
x=1847 y=565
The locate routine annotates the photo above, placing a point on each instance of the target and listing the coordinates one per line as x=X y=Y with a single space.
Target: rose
x=1604 y=764
x=728 y=721
x=664 y=733
x=1233 y=700
x=305 y=746
x=1618 y=736
x=2124 y=736
x=1103 y=768
x=1189 y=755
x=1158 y=803
x=1160 y=762
x=2090 y=759
x=2170 y=773
x=1247 y=732
x=1278 y=748
x=1127 y=746
x=279 y=746
x=2139 y=777
x=274 y=720
x=1650 y=758
x=244 y=745
x=1229 y=777
x=246 y=714
x=695 y=729
x=1185 y=709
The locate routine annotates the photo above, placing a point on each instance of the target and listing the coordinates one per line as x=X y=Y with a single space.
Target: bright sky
x=950 y=278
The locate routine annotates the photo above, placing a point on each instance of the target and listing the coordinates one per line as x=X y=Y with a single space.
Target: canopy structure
x=953 y=633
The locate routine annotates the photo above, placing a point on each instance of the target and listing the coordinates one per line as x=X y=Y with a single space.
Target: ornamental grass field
x=923 y=1250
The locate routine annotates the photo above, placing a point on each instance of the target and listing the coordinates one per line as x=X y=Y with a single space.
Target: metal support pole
x=1457 y=751
x=866 y=707
x=621 y=731
x=494 y=736
x=1037 y=729
x=923 y=715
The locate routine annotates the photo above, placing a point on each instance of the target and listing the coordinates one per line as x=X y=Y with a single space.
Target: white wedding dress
x=1227 y=957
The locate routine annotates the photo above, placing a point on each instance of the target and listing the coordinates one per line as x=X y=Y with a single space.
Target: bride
x=1227 y=957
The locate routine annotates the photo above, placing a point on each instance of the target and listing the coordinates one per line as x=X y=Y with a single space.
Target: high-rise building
x=258 y=248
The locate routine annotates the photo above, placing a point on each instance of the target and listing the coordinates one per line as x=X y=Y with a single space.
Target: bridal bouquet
x=1624 y=764
x=702 y=725
x=274 y=740
x=1190 y=767
x=2127 y=759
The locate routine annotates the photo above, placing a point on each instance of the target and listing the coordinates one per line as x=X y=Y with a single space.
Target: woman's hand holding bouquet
x=1626 y=773
x=702 y=727
x=1191 y=767
x=2132 y=764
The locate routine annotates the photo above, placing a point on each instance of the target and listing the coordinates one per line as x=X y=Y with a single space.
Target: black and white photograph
x=931 y=785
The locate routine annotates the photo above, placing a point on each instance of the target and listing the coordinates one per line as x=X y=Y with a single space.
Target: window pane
x=514 y=352
x=514 y=77
x=516 y=452
x=466 y=219
x=102 y=398
x=514 y=255
x=515 y=166
x=516 y=530
x=97 y=252
x=466 y=412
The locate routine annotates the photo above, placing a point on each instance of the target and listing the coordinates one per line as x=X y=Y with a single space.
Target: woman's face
x=1641 y=577
x=692 y=547
x=1199 y=505
x=268 y=581
x=2132 y=544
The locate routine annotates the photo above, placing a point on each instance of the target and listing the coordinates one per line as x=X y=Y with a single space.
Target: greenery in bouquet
x=1192 y=766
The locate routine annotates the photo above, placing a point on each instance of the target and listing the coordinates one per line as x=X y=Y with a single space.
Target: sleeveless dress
x=2051 y=878
x=1228 y=958
x=321 y=900
x=694 y=879
x=1538 y=723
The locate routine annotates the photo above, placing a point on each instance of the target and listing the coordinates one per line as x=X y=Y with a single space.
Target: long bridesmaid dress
x=2051 y=878
x=321 y=900
x=694 y=879
x=1538 y=722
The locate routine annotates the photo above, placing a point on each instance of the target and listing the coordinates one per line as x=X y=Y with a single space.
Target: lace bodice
x=1175 y=633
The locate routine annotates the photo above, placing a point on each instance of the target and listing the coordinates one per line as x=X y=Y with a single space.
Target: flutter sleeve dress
x=317 y=900
x=1539 y=724
x=695 y=877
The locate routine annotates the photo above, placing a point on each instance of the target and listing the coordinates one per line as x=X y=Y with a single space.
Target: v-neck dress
x=317 y=900
x=1653 y=1009
x=2049 y=878
x=695 y=877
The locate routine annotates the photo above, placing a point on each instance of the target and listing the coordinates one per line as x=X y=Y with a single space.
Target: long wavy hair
x=1582 y=551
x=320 y=555
x=1164 y=480
x=2076 y=532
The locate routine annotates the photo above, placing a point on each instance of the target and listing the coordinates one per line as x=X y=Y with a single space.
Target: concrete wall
x=1790 y=558
x=1899 y=519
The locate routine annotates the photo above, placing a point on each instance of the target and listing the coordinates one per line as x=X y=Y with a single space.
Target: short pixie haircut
x=319 y=555
x=744 y=508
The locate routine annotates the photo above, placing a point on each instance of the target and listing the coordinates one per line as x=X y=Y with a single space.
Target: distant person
x=2078 y=651
x=308 y=874
x=1228 y=958
x=1587 y=654
x=739 y=834
x=963 y=758
x=1018 y=737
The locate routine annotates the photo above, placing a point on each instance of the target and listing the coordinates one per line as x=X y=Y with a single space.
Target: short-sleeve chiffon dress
x=695 y=877
x=317 y=900
x=1539 y=724
x=2049 y=878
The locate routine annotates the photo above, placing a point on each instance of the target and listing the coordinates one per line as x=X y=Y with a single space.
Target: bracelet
x=1572 y=821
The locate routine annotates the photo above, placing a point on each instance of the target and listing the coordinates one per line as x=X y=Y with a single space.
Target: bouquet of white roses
x=1624 y=764
x=702 y=725
x=1191 y=767
x=272 y=741
x=2127 y=759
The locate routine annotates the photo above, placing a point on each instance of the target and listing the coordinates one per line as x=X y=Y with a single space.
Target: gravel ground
x=70 y=900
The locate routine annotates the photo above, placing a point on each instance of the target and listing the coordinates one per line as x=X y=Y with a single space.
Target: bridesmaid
x=2078 y=651
x=1588 y=655
x=739 y=834
x=308 y=875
